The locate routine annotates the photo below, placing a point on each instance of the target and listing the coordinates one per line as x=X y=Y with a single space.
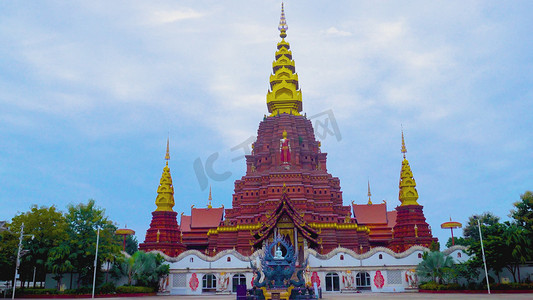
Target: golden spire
x=165 y=191
x=284 y=95
x=404 y=150
x=369 y=194
x=210 y=199
x=408 y=193
x=282 y=24
x=167 y=156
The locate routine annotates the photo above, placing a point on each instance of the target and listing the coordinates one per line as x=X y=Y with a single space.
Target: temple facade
x=287 y=191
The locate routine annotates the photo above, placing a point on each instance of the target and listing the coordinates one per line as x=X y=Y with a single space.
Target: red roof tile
x=206 y=217
x=391 y=216
x=185 y=223
x=370 y=214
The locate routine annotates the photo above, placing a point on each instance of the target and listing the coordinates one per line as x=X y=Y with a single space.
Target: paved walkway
x=365 y=296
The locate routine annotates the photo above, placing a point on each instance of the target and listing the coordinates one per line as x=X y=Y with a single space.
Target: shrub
x=107 y=288
x=126 y=289
x=35 y=291
x=433 y=286
x=429 y=286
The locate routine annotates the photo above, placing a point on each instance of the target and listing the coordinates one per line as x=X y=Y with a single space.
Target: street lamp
x=96 y=260
x=17 y=263
x=483 y=253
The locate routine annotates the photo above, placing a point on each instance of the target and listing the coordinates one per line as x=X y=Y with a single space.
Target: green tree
x=145 y=269
x=83 y=221
x=59 y=261
x=459 y=241
x=8 y=254
x=518 y=248
x=523 y=211
x=435 y=266
x=471 y=231
x=48 y=226
x=132 y=245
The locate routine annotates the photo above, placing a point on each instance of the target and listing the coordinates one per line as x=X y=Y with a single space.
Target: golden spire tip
x=167 y=156
x=210 y=198
x=283 y=23
x=404 y=150
x=369 y=194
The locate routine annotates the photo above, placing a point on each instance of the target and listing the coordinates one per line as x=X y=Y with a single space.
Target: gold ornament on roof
x=369 y=194
x=284 y=95
x=165 y=192
x=408 y=194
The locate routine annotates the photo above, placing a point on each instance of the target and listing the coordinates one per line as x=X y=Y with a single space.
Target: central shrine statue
x=285 y=149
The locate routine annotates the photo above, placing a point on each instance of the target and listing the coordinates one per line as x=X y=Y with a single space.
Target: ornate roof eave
x=285 y=206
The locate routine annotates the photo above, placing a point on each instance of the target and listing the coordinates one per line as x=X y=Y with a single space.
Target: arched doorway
x=332 y=282
x=209 y=283
x=238 y=279
x=362 y=281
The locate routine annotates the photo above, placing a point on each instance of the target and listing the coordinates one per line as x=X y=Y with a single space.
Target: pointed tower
x=411 y=227
x=286 y=164
x=164 y=233
x=284 y=96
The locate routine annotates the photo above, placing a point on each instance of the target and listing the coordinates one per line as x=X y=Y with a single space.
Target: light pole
x=22 y=235
x=483 y=254
x=96 y=259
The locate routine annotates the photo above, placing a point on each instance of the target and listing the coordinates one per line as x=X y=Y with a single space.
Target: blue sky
x=90 y=90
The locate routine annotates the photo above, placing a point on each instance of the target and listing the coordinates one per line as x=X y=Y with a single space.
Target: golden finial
x=404 y=150
x=210 y=198
x=167 y=156
x=369 y=194
x=283 y=23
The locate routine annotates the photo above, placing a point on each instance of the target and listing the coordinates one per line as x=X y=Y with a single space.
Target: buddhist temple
x=287 y=191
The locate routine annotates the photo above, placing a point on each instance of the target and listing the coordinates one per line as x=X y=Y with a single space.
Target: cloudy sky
x=90 y=90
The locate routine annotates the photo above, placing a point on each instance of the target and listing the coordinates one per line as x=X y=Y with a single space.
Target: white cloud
x=164 y=16
x=332 y=31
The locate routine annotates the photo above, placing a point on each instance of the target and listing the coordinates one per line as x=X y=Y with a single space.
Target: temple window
x=314 y=192
x=362 y=280
x=246 y=193
x=278 y=190
x=332 y=282
x=380 y=256
x=342 y=257
x=191 y=259
x=459 y=254
x=298 y=190
x=228 y=259
x=209 y=283
x=419 y=255
x=320 y=192
x=264 y=192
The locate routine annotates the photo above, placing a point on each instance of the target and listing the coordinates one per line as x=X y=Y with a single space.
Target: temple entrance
x=286 y=228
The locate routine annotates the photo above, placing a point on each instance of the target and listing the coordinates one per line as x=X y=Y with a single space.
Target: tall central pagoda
x=287 y=189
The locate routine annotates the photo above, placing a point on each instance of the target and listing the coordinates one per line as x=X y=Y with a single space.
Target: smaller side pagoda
x=411 y=227
x=164 y=233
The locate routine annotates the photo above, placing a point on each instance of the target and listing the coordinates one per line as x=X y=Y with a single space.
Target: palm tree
x=434 y=265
